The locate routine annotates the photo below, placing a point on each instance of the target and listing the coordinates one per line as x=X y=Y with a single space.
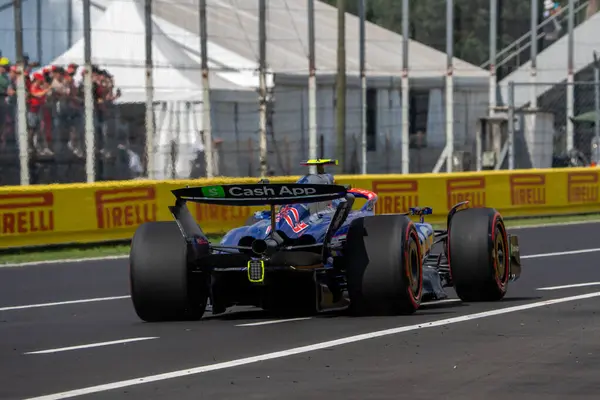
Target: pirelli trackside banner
x=61 y=214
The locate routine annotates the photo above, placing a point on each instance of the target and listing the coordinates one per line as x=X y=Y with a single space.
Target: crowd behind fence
x=54 y=118
x=56 y=146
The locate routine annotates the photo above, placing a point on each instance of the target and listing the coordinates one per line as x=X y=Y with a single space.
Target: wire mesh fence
x=551 y=131
x=60 y=135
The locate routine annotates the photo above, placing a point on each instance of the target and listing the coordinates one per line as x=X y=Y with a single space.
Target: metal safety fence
x=547 y=125
x=138 y=89
x=192 y=88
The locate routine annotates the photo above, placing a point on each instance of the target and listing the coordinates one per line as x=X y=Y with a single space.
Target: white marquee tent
x=118 y=44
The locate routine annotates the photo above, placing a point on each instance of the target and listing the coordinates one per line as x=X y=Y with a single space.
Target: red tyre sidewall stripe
x=501 y=285
x=448 y=259
x=410 y=231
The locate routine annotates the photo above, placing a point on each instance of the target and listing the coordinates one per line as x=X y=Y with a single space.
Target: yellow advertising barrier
x=90 y=213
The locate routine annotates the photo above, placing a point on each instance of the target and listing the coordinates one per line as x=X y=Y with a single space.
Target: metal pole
x=533 y=69
x=40 y=52
x=570 y=78
x=206 y=114
x=262 y=70
x=511 y=125
x=21 y=103
x=493 y=43
x=596 y=144
x=69 y=23
x=150 y=151
x=90 y=148
x=449 y=85
x=312 y=87
x=363 y=88
x=534 y=51
x=405 y=89
x=341 y=85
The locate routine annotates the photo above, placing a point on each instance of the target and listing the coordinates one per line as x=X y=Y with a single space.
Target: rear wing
x=261 y=194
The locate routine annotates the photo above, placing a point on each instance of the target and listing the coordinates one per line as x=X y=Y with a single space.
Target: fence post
x=206 y=106
x=149 y=122
x=596 y=143
x=90 y=147
x=570 y=77
x=493 y=42
x=511 y=125
x=363 y=89
x=312 y=88
x=405 y=90
x=262 y=67
x=450 y=85
x=21 y=101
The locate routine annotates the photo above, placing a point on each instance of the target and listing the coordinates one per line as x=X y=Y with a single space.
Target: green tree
x=471 y=23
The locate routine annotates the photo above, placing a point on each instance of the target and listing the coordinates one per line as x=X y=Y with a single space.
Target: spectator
x=8 y=104
x=73 y=114
x=4 y=95
x=37 y=95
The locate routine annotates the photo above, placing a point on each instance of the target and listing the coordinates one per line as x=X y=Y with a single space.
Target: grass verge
x=119 y=249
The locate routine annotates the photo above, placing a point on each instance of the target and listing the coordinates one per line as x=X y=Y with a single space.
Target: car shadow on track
x=258 y=314
x=235 y=315
x=522 y=298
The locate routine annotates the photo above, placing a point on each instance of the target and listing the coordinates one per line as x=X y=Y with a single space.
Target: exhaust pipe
x=260 y=246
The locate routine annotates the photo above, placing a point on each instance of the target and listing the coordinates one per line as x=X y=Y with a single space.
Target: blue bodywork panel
x=308 y=224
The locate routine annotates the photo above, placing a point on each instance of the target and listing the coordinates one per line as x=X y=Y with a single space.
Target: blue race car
x=312 y=252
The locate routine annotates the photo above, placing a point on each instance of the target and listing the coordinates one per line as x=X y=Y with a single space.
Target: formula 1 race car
x=315 y=253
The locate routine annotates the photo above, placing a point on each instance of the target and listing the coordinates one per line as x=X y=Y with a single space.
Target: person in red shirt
x=73 y=121
x=38 y=90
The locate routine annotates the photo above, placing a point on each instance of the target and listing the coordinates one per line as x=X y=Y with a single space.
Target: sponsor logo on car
x=257 y=191
x=267 y=191
x=213 y=191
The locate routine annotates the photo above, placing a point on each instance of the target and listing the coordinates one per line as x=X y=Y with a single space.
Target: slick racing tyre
x=478 y=254
x=162 y=288
x=384 y=265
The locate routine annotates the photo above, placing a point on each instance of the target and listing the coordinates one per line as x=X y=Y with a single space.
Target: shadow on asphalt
x=525 y=298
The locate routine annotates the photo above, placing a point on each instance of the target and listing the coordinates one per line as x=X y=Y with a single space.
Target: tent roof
x=233 y=25
x=589 y=116
x=118 y=45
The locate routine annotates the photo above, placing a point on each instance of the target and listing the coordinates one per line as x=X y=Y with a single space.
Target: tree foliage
x=471 y=23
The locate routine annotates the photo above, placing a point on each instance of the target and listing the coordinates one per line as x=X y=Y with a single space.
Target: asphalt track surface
x=524 y=347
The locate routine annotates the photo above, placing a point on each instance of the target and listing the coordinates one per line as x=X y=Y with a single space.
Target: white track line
x=110 y=258
x=305 y=349
x=276 y=321
x=279 y=321
x=91 y=345
x=556 y=254
x=62 y=303
x=436 y=302
x=575 y=285
x=125 y=256
x=562 y=253
x=64 y=261
x=566 y=223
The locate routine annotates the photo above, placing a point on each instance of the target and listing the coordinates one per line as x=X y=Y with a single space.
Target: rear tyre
x=384 y=265
x=478 y=254
x=162 y=288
